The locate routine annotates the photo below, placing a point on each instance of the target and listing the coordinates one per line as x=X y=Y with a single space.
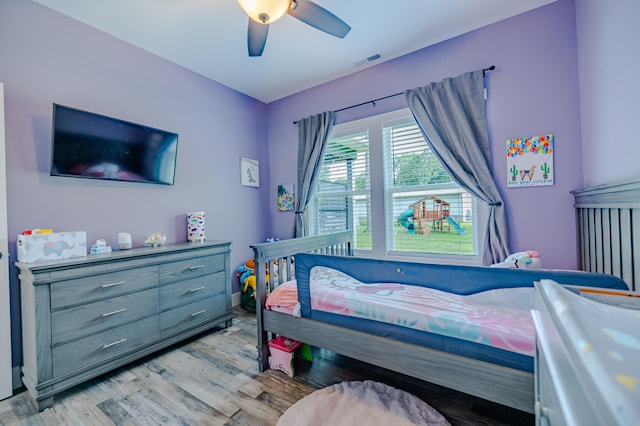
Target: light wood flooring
x=213 y=380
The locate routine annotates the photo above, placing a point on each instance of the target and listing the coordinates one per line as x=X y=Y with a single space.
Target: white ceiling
x=209 y=36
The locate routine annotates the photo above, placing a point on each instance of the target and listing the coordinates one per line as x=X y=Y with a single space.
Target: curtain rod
x=373 y=101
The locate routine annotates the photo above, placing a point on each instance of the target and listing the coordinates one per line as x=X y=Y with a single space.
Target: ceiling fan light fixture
x=264 y=11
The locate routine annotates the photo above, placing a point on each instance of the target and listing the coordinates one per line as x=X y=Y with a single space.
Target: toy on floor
x=282 y=352
x=247 y=279
x=522 y=260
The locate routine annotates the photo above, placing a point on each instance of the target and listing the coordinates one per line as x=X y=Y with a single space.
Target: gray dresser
x=84 y=316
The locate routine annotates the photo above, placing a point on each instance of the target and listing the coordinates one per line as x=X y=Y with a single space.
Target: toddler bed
x=463 y=334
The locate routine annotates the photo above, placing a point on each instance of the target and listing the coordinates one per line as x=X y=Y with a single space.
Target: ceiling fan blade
x=318 y=17
x=256 y=37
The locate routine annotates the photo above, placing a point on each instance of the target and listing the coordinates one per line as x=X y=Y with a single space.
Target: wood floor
x=213 y=380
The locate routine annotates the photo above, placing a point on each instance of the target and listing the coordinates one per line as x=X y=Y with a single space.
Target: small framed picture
x=249 y=172
x=285 y=197
x=530 y=161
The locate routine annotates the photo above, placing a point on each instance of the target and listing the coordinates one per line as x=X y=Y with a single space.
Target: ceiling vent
x=367 y=60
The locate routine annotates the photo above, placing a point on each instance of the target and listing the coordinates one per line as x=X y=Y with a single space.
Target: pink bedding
x=499 y=318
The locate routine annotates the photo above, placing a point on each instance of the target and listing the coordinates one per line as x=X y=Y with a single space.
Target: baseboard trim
x=16 y=379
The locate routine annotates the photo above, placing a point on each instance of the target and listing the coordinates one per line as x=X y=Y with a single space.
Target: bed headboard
x=608 y=229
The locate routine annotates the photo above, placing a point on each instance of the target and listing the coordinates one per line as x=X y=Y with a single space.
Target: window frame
x=381 y=213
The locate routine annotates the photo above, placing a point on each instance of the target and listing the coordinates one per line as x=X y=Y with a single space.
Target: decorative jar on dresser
x=82 y=317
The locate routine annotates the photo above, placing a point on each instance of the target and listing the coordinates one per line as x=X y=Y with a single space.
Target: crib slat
x=626 y=247
x=592 y=238
x=635 y=242
x=583 y=231
x=616 y=256
x=598 y=240
x=606 y=241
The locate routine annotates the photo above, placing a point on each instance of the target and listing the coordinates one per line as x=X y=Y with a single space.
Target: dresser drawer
x=72 y=323
x=184 y=317
x=88 y=289
x=181 y=293
x=190 y=268
x=100 y=347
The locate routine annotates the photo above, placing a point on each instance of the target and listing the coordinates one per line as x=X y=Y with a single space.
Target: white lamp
x=264 y=11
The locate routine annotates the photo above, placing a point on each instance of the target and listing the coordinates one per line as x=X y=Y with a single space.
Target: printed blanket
x=499 y=318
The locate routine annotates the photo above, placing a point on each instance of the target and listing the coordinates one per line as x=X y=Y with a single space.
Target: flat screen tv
x=93 y=146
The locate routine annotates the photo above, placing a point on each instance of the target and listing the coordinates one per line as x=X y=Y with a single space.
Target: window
x=343 y=189
x=380 y=179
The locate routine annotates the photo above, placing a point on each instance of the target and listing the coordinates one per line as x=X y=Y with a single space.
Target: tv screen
x=89 y=145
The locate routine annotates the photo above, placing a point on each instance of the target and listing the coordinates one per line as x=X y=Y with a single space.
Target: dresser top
x=132 y=254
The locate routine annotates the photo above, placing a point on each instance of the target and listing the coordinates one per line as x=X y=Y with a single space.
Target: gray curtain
x=313 y=133
x=452 y=117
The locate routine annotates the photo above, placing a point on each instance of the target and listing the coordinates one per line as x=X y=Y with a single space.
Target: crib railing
x=608 y=230
x=282 y=253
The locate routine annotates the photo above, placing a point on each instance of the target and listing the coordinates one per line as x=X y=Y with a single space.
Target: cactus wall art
x=530 y=161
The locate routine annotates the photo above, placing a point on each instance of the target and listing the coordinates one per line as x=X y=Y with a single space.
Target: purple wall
x=609 y=88
x=533 y=90
x=46 y=57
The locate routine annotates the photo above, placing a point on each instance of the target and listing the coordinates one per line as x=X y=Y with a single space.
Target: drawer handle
x=195 y=314
x=194 y=267
x=117 y=342
x=112 y=284
x=117 y=311
x=193 y=290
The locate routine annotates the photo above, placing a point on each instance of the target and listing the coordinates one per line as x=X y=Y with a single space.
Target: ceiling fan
x=264 y=12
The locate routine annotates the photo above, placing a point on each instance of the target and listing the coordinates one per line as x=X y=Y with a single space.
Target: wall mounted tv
x=94 y=146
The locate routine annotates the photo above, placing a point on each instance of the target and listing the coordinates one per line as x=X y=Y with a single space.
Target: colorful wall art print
x=530 y=161
x=285 y=197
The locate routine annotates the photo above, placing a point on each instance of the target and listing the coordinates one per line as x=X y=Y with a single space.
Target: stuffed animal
x=245 y=271
x=250 y=283
x=522 y=260
x=247 y=279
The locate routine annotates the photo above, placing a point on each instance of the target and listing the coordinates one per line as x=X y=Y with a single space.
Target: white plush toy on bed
x=522 y=260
